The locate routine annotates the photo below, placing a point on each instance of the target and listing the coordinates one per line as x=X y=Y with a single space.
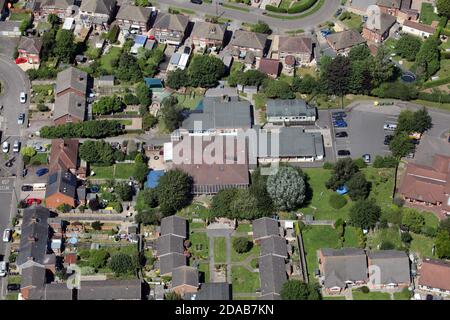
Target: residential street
x=255 y=14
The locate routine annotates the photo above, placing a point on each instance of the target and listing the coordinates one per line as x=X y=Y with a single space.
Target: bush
x=42 y=73
x=242 y=245
x=96 y=225
x=385 y=162
x=360 y=163
x=42 y=107
x=328 y=166
x=428 y=231
x=87 y=271
x=337 y=201
x=88 y=129
x=387 y=245
x=434 y=97
x=406 y=237
x=301 y=6
x=364 y=289
x=396 y=90
x=64 y=208
x=121 y=263
x=399 y=202
x=275 y=9
x=130 y=99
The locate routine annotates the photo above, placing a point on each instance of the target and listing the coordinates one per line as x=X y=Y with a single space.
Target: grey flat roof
x=295 y=107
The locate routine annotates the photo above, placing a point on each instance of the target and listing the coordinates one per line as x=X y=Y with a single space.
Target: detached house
x=248 y=45
x=295 y=51
x=377 y=27
x=42 y=8
x=30 y=48
x=97 y=12
x=208 y=35
x=71 y=80
x=342 y=42
x=170 y=28
x=133 y=17
x=434 y=276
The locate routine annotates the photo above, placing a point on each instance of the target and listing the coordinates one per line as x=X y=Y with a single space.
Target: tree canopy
x=97 y=151
x=108 y=105
x=443 y=7
x=358 y=186
x=65 y=47
x=428 y=58
x=298 y=290
x=408 y=46
x=343 y=171
x=174 y=191
x=401 y=145
x=121 y=263
x=286 y=188
x=278 y=89
x=412 y=219
x=364 y=214
x=170 y=113
x=205 y=71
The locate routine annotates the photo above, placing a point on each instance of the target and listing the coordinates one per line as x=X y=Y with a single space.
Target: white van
x=39 y=186
x=23 y=97
x=390 y=126
x=5 y=147
x=6 y=235
x=3 y=269
x=16 y=146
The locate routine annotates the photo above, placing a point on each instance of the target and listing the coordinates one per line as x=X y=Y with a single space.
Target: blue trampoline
x=342 y=190
x=153 y=179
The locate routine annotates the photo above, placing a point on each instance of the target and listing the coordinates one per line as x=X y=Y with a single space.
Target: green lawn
x=121 y=171
x=260 y=100
x=199 y=245
x=105 y=60
x=427 y=15
x=244 y=227
x=18 y=16
x=421 y=245
x=204 y=267
x=382 y=185
x=315 y=238
x=392 y=235
x=244 y=281
x=285 y=4
x=236 y=257
x=39 y=158
x=358 y=295
x=189 y=101
x=220 y=250
x=354 y=22
x=316 y=7
x=334 y=298
x=12 y=296
x=103 y=172
x=350 y=237
x=402 y=295
x=445 y=68
x=124 y=170
x=196 y=225
x=194 y=210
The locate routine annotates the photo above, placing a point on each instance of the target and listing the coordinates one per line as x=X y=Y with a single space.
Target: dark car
x=342 y=134
x=387 y=139
x=339 y=114
x=13 y=287
x=343 y=153
x=27 y=188
x=41 y=172
x=197 y=1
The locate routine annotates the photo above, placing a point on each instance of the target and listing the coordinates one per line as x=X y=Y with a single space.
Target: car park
x=5 y=147
x=7 y=235
x=27 y=187
x=366 y=158
x=341 y=134
x=16 y=146
x=343 y=153
x=3 y=268
x=41 y=172
x=23 y=97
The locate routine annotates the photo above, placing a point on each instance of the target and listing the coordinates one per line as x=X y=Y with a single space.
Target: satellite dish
x=72 y=11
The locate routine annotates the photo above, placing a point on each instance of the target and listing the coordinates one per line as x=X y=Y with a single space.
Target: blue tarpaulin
x=153 y=178
x=342 y=190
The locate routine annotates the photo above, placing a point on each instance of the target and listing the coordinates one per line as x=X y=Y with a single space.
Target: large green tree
x=287 y=188
x=338 y=76
x=306 y=85
x=401 y=145
x=144 y=94
x=65 y=47
x=442 y=243
x=428 y=58
x=413 y=220
x=382 y=68
x=108 y=105
x=408 y=46
x=97 y=151
x=124 y=191
x=364 y=214
x=358 y=186
x=177 y=79
x=174 y=191
x=244 y=206
x=221 y=202
x=278 y=89
x=443 y=7
x=359 y=53
x=170 y=114
x=127 y=68
x=205 y=71
x=343 y=171
x=299 y=290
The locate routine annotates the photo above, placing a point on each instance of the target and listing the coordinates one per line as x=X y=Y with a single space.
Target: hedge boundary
x=298 y=7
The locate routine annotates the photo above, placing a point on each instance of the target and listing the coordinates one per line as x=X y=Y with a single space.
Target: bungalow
x=64 y=155
x=42 y=8
x=342 y=42
x=211 y=291
x=133 y=17
x=342 y=268
x=97 y=12
x=61 y=189
x=272 y=272
x=33 y=281
x=295 y=51
x=245 y=45
x=30 y=48
x=388 y=269
x=69 y=108
x=271 y=67
x=428 y=186
x=170 y=28
x=290 y=112
x=169 y=262
x=170 y=244
x=71 y=80
x=274 y=245
x=208 y=35
x=377 y=27
x=174 y=225
x=110 y=290
x=434 y=276
x=418 y=29
x=265 y=228
x=227 y=167
x=185 y=280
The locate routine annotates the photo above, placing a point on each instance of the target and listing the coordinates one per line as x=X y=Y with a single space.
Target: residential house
x=71 y=80
x=58 y=291
x=110 y=290
x=295 y=51
x=61 y=189
x=249 y=46
x=33 y=280
x=97 y=12
x=434 y=276
x=428 y=186
x=64 y=155
x=133 y=17
x=211 y=291
x=342 y=268
x=289 y=144
x=69 y=108
x=174 y=225
x=219 y=115
x=170 y=28
x=30 y=48
x=227 y=167
x=342 y=42
x=274 y=245
x=208 y=35
x=169 y=262
x=34 y=239
x=169 y=243
x=272 y=272
x=418 y=29
x=265 y=228
x=290 y=112
x=388 y=269
x=185 y=280
x=42 y=8
x=401 y=9
x=377 y=27
x=271 y=67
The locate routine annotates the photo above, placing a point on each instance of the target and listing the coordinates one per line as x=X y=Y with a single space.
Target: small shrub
x=364 y=289
x=337 y=201
x=64 y=208
x=406 y=237
x=242 y=245
x=96 y=225
x=387 y=245
x=328 y=166
x=42 y=107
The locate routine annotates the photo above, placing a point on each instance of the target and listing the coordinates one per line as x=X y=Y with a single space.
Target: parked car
x=339 y=114
x=366 y=158
x=13 y=287
x=24 y=172
x=16 y=146
x=40 y=149
x=197 y=1
x=27 y=187
x=340 y=124
x=23 y=97
x=41 y=172
x=5 y=147
x=21 y=118
x=31 y=201
x=343 y=153
x=387 y=139
x=7 y=235
x=3 y=269
x=342 y=134
x=390 y=126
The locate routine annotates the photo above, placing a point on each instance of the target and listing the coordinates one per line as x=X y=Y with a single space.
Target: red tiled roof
x=64 y=155
x=435 y=274
x=269 y=66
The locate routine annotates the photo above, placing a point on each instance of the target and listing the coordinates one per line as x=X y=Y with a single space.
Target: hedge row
x=275 y=9
x=434 y=97
x=298 y=7
x=436 y=83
